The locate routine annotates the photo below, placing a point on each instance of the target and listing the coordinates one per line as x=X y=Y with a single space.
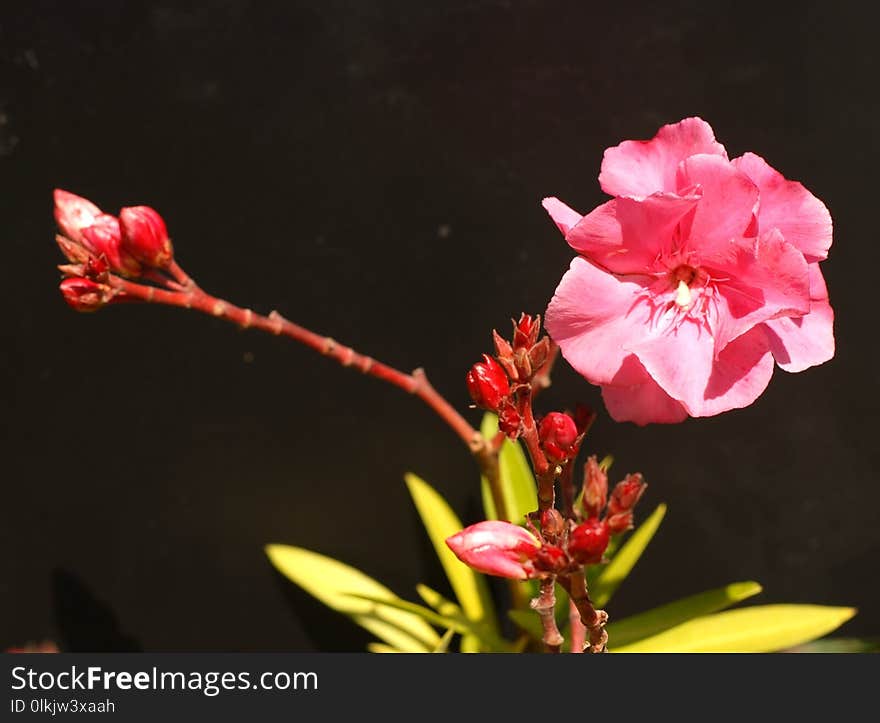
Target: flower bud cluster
x=98 y=244
x=559 y=546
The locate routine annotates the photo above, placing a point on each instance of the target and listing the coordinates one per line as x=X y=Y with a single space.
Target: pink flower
x=496 y=548
x=692 y=280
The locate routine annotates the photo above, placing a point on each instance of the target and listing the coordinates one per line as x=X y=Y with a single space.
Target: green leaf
x=609 y=579
x=333 y=583
x=434 y=599
x=443 y=645
x=654 y=621
x=759 y=629
x=382 y=648
x=517 y=481
x=839 y=645
x=441 y=522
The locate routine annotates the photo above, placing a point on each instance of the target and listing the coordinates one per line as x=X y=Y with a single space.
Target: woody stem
x=545 y=606
x=594 y=620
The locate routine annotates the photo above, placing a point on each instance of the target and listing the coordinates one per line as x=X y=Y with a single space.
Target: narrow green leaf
x=441 y=522
x=517 y=481
x=488 y=639
x=759 y=629
x=654 y=621
x=444 y=606
x=443 y=645
x=447 y=622
x=839 y=645
x=333 y=582
x=382 y=648
x=609 y=579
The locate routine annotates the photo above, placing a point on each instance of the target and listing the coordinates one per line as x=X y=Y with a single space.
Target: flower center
x=682 y=277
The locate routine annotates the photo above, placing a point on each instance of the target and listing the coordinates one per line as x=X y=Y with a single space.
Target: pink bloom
x=496 y=548
x=692 y=280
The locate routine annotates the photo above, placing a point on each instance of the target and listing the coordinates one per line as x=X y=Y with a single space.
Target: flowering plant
x=688 y=284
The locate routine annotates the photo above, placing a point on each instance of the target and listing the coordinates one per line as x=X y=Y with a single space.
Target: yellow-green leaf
x=644 y=625
x=443 y=645
x=528 y=621
x=333 y=583
x=441 y=522
x=382 y=648
x=759 y=629
x=609 y=579
x=517 y=481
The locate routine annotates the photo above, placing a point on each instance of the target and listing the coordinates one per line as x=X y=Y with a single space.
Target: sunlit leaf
x=333 y=583
x=382 y=648
x=759 y=629
x=654 y=621
x=517 y=481
x=610 y=577
x=441 y=522
x=443 y=645
x=839 y=645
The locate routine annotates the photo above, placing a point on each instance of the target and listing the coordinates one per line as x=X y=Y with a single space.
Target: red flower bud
x=145 y=237
x=552 y=523
x=84 y=294
x=496 y=548
x=525 y=331
x=550 y=559
x=620 y=522
x=588 y=542
x=626 y=494
x=509 y=420
x=73 y=213
x=558 y=434
x=487 y=384
x=595 y=488
x=104 y=238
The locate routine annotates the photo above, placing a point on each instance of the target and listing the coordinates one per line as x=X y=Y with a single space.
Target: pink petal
x=679 y=357
x=565 y=217
x=593 y=315
x=739 y=376
x=627 y=235
x=771 y=281
x=725 y=211
x=640 y=168
x=803 y=342
x=642 y=401
x=787 y=205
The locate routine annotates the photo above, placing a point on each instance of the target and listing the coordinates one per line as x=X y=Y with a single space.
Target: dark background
x=374 y=170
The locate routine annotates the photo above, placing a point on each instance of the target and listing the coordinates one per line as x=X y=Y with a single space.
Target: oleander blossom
x=692 y=279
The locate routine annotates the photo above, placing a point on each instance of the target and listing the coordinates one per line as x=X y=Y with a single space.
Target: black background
x=374 y=170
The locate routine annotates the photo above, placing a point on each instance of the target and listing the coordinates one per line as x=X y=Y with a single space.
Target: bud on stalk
x=559 y=435
x=488 y=384
x=145 y=237
x=588 y=542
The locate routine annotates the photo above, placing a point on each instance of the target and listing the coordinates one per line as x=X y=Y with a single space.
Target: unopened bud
x=588 y=542
x=595 y=488
x=552 y=523
x=509 y=420
x=539 y=352
x=73 y=213
x=488 y=384
x=626 y=493
x=525 y=331
x=103 y=238
x=84 y=294
x=496 y=548
x=620 y=522
x=550 y=558
x=558 y=434
x=145 y=237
